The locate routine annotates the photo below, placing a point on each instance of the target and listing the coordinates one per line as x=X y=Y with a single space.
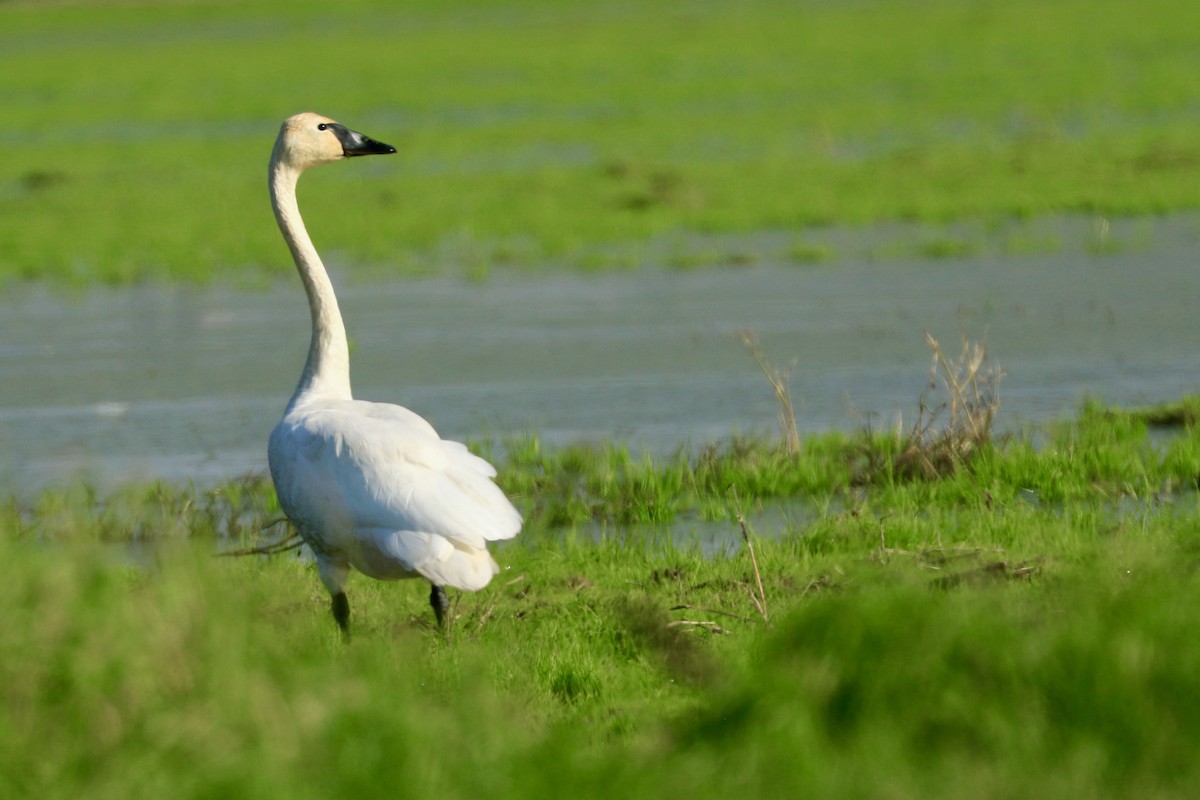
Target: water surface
x=181 y=383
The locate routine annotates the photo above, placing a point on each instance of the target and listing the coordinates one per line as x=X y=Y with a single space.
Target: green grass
x=1183 y=413
x=1019 y=626
x=571 y=133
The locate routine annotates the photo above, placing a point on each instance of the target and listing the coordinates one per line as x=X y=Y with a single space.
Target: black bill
x=357 y=144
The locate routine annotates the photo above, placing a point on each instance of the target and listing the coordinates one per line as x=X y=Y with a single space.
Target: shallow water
x=185 y=383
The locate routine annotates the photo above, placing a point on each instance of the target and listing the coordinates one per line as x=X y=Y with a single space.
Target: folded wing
x=384 y=468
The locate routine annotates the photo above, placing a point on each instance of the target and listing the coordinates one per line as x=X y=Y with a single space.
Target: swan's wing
x=390 y=470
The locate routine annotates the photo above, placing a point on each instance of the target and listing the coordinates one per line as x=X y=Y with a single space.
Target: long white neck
x=327 y=370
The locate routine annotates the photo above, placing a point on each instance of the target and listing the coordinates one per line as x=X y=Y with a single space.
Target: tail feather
x=386 y=554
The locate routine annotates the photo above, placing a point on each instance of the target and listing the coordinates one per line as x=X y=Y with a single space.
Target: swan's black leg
x=441 y=605
x=341 y=612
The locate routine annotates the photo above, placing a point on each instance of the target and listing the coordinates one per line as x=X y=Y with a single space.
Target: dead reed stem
x=779 y=384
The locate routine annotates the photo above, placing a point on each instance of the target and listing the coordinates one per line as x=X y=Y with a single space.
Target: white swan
x=369 y=485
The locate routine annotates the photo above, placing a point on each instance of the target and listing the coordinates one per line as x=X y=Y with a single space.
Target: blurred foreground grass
x=537 y=133
x=957 y=672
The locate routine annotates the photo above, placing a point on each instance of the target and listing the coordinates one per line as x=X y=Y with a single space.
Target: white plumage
x=369 y=485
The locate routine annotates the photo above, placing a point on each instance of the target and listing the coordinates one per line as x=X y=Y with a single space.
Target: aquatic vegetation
x=1103 y=455
x=1183 y=413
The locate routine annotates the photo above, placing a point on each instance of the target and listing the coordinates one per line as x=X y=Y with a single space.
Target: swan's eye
x=322 y=126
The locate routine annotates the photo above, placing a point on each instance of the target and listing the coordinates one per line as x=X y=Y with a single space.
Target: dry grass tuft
x=947 y=434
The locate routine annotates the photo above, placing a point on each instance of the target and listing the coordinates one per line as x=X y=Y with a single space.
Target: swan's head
x=306 y=140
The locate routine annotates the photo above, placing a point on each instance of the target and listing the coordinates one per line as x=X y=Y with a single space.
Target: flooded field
x=185 y=383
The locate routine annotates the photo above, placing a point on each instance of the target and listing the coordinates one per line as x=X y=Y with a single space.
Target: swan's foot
x=441 y=605
x=341 y=613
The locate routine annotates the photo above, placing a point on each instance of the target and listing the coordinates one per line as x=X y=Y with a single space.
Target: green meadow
x=741 y=620
x=535 y=134
x=939 y=612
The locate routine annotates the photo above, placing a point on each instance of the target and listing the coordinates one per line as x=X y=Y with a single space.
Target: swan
x=369 y=486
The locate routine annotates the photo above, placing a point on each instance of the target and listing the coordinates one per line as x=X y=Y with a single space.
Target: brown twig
x=760 y=600
x=291 y=542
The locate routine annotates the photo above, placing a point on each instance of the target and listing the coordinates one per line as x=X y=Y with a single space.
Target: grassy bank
x=540 y=133
x=1017 y=625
